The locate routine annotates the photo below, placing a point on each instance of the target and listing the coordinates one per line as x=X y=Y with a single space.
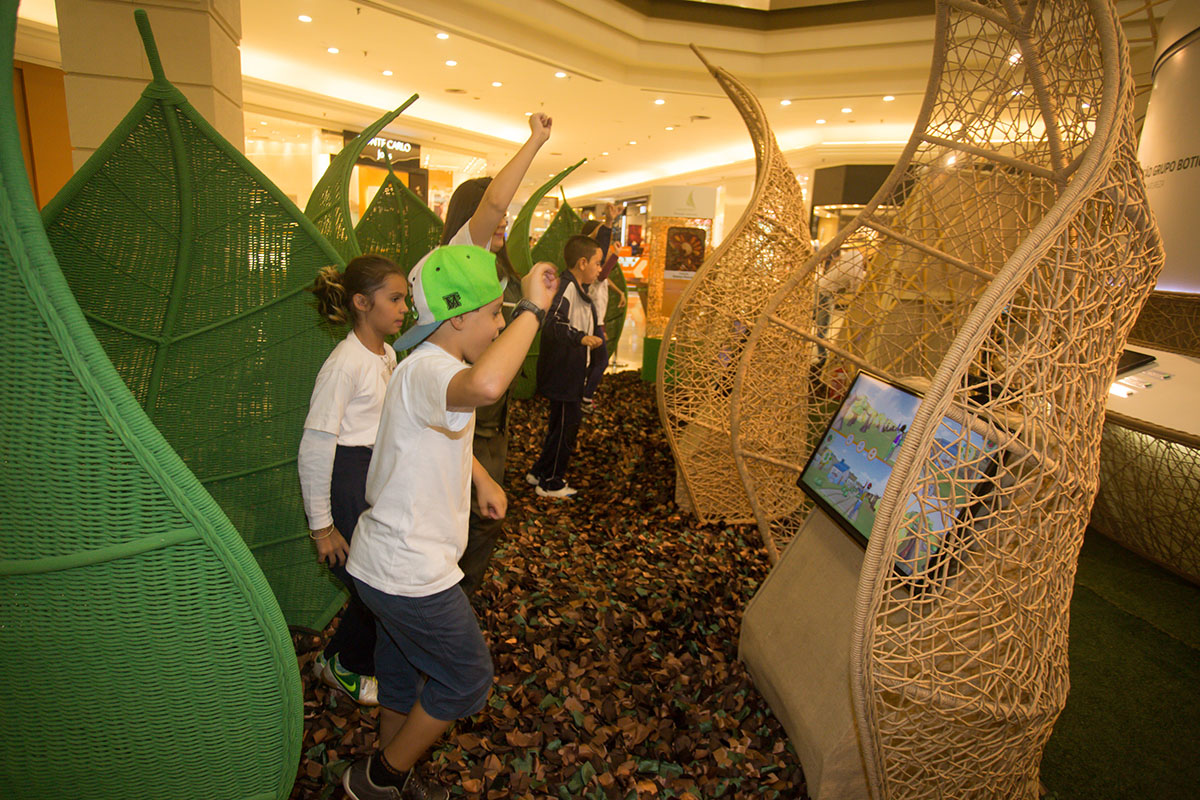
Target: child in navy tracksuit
x=569 y=343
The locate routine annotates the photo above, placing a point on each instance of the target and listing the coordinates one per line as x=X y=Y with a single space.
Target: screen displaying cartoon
x=850 y=467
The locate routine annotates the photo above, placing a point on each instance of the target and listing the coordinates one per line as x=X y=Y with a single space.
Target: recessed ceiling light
x=560 y=74
x=847 y=110
x=670 y=127
x=1015 y=58
x=659 y=102
x=950 y=160
x=820 y=122
x=304 y=18
x=887 y=98
x=529 y=113
x=631 y=141
x=443 y=35
x=451 y=63
x=604 y=153
x=497 y=84
x=333 y=51
x=387 y=72
x=262 y=122
x=1085 y=105
x=785 y=102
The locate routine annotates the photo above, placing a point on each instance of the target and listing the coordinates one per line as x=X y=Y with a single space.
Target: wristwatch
x=525 y=304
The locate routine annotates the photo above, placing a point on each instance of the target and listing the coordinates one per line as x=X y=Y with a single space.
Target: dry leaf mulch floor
x=613 y=621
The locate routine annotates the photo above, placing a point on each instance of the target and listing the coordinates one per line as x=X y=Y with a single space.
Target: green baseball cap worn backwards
x=449 y=281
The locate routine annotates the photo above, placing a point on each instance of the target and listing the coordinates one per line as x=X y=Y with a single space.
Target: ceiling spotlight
x=560 y=74
x=631 y=141
x=950 y=160
x=659 y=101
x=443 y=35
x=333 y=51
x=497 y=84
x=387 y=73
x=785 y=102
x=887 y=98
x=529 y=113
x=451 y=63
x=1015 y=58
x=304 y=18
x=847 y=110
x=1085 y=105
x=604 y=153
x=262 y=122
x=670 y=127
x=820 y=122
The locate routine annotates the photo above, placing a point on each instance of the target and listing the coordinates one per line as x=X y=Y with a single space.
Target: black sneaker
x=356 y=780
x=358 y=785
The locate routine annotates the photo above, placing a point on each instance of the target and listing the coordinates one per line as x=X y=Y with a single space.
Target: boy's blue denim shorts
x=436 y=637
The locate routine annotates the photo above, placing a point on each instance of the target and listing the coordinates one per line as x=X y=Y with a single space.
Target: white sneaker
x=565 y=491
x=363 y=689
x=531 y=479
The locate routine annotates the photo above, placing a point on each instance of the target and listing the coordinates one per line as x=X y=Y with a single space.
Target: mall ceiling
x=618 y=76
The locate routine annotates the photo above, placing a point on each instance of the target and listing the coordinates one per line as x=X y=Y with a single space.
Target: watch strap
x=525 y=304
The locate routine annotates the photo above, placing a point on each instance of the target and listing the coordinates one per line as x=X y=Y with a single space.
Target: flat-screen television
x=853 y=461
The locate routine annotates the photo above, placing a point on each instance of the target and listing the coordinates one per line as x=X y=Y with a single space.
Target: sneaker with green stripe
x=363 y=689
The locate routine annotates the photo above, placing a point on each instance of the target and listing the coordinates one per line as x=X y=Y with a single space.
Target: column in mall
x=106 y=66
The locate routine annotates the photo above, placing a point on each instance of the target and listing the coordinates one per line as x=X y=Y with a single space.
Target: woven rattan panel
x=1149 y=488
x=191 y=267
x=1150 y=475
x=1169 y=321
x=398 y=224
x=143 y=652
x=705 y=337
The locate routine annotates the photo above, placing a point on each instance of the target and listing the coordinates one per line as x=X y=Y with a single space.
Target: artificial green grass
x=1131 y=727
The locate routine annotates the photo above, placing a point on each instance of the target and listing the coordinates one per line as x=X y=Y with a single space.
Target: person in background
x=569 y=343
x=602 y=232
x=339 y=432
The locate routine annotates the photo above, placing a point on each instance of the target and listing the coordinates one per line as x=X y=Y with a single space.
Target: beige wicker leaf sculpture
x=707 y=330
x=1006 y=259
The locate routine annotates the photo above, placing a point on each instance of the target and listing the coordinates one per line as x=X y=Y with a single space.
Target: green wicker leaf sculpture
x=191 y=267
x=398 y=224
x=329 y=204
x=519 y=253
x=143 y=652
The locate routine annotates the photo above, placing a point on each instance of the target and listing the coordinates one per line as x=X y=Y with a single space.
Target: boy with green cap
x=431 y=661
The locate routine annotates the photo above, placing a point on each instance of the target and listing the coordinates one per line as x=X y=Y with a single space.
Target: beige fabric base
x=796 y=645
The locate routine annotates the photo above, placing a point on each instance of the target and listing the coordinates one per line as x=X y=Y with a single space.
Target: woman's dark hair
x=590 y=226
x=462 y=205
x=335 y=290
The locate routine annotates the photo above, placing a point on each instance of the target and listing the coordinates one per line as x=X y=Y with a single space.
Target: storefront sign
x=383 y=150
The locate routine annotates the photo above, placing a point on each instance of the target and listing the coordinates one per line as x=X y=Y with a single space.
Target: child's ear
x=361 y=302
x=458 y=322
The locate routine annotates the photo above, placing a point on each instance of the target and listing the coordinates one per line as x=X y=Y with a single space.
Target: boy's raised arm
x=503 y=187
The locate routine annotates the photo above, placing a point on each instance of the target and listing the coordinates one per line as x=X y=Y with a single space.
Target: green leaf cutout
x=549 y=247
x=329 y=204
x=518 y=238
x=398 y=224
x=191 y=267
x=131 y=605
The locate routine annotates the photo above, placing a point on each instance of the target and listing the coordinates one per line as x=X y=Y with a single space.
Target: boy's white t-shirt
x=419 y=484
x=348 y=396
